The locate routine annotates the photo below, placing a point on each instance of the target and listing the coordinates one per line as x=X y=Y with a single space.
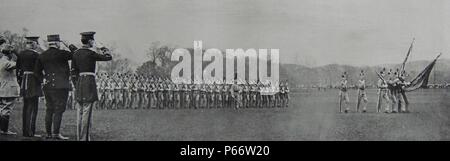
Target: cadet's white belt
x=87 y=73
x=27 y=72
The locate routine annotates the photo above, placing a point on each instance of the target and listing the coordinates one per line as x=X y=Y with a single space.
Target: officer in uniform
x=52 y=66
x=361 y=93
x=9 y=89
x=30 y=87
x=343 y=95
x=83 y=70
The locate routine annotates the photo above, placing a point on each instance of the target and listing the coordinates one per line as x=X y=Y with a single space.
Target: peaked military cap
x=87 y=35
x=32 y=38
x=53 y=38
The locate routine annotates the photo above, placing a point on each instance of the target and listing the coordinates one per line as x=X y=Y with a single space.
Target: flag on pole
x=421 y=80
x=407 y=55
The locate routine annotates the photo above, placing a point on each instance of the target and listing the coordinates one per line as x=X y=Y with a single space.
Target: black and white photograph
x=224 y=70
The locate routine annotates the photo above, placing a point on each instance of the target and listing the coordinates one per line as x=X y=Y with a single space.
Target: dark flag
x=421 y=80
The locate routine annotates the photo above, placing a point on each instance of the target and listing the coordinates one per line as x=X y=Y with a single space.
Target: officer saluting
x=9 y=89
x=54 y=62
x=83 y=71
x=30 y=87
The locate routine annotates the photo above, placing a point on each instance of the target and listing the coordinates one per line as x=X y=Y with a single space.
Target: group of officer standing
x=31 y=74
x=391 y=92
x=132 y=91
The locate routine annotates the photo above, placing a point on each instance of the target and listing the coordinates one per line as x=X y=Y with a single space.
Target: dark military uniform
x=30 y=90
x=55 y=64
x=83 y=70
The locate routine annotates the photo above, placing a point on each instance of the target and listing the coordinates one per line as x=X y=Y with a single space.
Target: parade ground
x=312 y=115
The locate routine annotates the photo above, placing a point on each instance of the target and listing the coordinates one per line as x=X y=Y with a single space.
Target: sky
x=308 y=32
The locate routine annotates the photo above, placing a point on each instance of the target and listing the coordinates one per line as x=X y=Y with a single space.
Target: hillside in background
x=327 y=75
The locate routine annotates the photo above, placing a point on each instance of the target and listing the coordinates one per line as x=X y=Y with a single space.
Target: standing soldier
x=218 y=95
x=127 y=92
x=9 y=89
x=224 y=95
x=398 y=83
x=402 y=91
x=135 y=92
x=30 y=87
x=170 y=99
x=286 y=90
x=343 y=95
x=144 y=94
x=117 y=92
x=236 y=94
x=259 y=98
x=196 y=95
x=109 y=92
x=54 y=62
x=203 y=96
x=282 y=98
x=246 y=95
x=383 y=92
x=83 y=69
x=153 y=99
x=176 y=95
x=253 y=94
x=361 y=93
x=211 y=99
x=265 y=96
x=114 y=92
x=392 y=86
x=160 y=94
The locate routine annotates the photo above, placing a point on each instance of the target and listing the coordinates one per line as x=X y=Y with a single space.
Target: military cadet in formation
x=343 y=95
x=361 y=96
x=402 y=92
x=52 y=66
x=177 y=96
x=132 y=91
x=286 y=94
x=218 y=95
x=30 y=87
x=118 y=92
x=153 y=96
x=383 y=92
x=83 y=71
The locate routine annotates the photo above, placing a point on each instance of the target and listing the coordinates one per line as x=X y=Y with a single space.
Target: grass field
x=312 y=115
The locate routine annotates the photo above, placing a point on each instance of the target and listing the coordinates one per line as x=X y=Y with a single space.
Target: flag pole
x=407 y=55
